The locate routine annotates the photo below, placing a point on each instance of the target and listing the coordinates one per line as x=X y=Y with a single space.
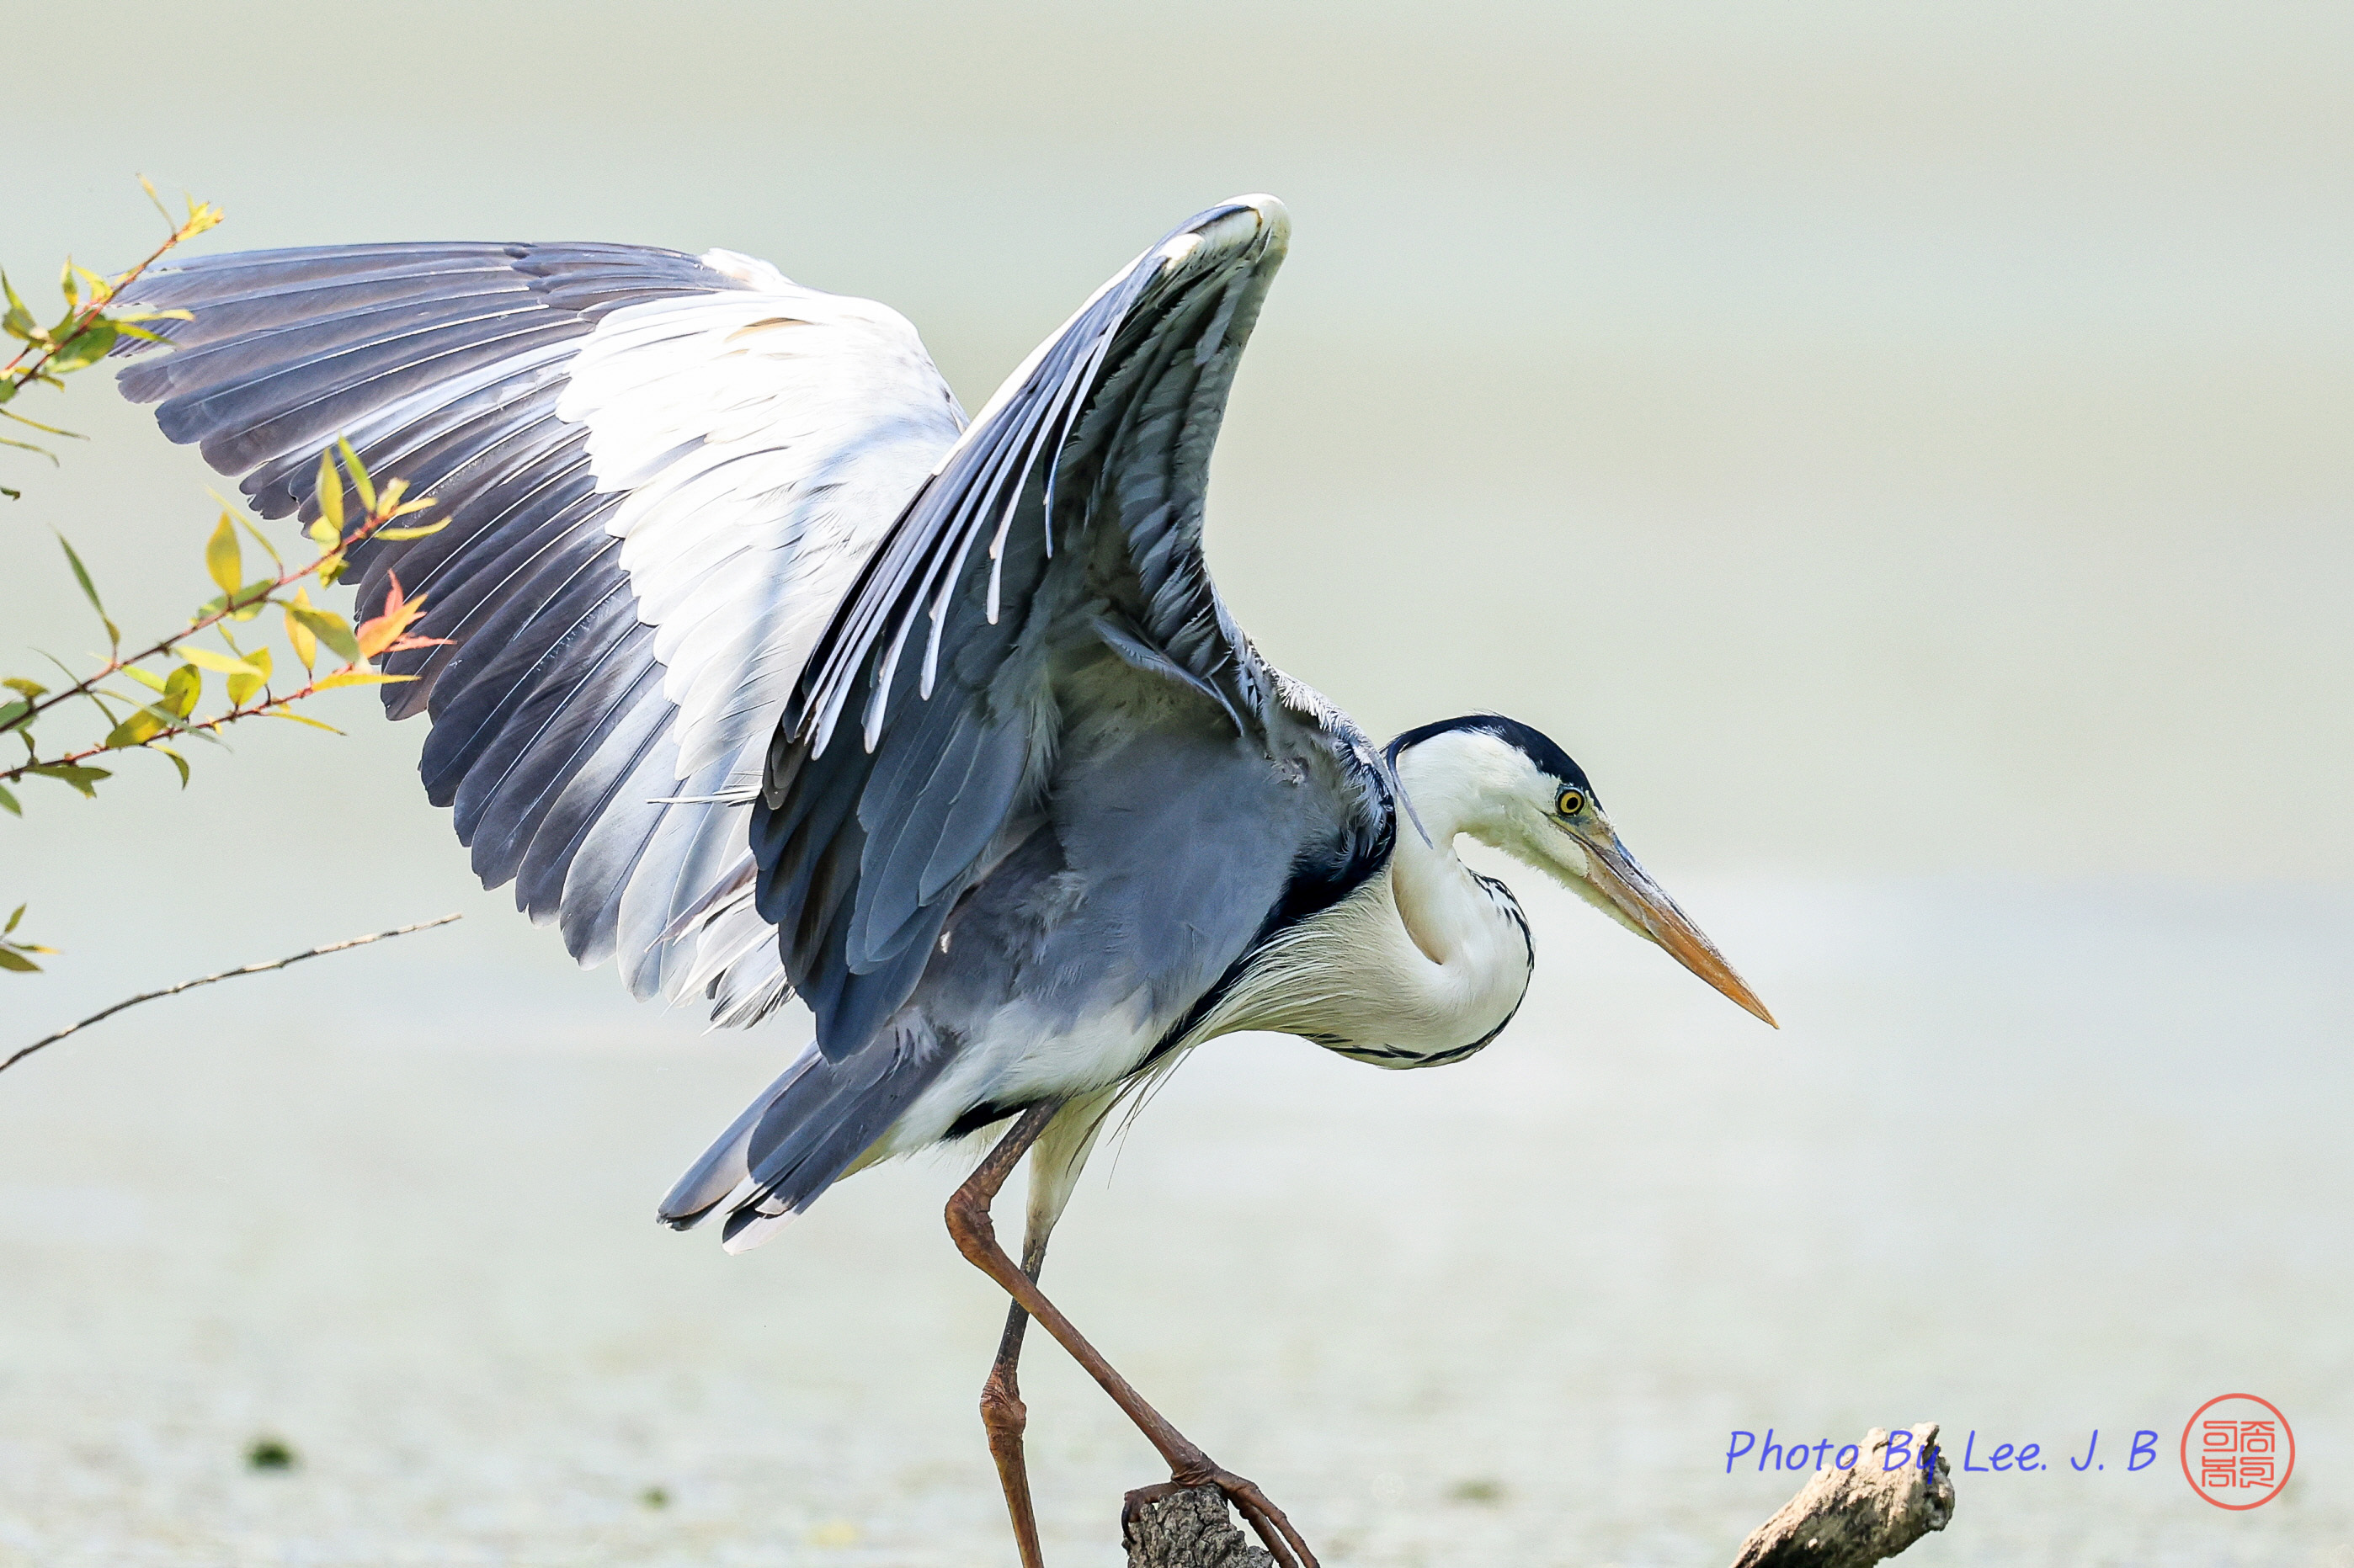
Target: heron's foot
x=1267 y=1521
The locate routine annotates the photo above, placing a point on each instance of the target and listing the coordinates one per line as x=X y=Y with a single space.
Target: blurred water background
x=1903 y=452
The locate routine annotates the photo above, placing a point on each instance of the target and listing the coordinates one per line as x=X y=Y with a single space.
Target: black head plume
x=1533 y=744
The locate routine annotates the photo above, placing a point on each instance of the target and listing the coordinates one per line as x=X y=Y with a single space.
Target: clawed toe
x=1267 y=1521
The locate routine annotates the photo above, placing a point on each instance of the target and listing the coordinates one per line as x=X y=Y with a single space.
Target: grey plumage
x=437 y=361
x=772 y=677
x=768 y=675
x=1103 y=450
x=446 y=364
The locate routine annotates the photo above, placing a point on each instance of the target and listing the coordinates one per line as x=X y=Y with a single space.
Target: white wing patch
x=766 y=442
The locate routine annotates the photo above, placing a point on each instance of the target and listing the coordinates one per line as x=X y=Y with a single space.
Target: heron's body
x=768 y=675
x=1178 y=881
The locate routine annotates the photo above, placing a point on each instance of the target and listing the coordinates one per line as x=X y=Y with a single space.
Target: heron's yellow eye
x=1571 y=801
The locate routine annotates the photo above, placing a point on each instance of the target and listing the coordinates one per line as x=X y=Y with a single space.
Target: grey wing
x=1065 y=522
x=659 y=473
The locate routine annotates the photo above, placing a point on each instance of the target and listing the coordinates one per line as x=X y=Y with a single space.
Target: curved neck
x=1444 y=906
x=1422 y=964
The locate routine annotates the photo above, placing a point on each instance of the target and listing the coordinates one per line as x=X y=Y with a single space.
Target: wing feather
x=658 y=473
x=1084 y=478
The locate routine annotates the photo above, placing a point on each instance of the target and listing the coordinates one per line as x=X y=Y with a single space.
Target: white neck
x=1450 y=915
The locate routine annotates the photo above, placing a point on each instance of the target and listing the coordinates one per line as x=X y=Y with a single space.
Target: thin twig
x=224 y=974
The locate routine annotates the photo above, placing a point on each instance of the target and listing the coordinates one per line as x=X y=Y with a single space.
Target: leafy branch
x=87 y=332
x=151 y=698
x=12 y=951
x=172 y=668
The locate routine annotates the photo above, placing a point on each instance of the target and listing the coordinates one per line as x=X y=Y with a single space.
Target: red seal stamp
x=2237 y=1451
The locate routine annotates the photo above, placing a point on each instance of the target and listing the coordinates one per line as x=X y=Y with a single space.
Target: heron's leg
x=976 y=1237
x=1005 y=1416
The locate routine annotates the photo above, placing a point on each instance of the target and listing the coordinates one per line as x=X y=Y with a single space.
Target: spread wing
x=1067 y=519
x=661 y=473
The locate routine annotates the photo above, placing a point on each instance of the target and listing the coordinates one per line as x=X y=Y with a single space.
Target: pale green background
x=1902 y=450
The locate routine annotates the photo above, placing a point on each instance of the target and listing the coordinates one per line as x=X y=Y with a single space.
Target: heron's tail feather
x=805 y=1130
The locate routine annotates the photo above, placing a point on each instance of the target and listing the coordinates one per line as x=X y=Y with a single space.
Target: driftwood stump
x=1190 y=1529
x=1854 y=1517
x=1840 y=1519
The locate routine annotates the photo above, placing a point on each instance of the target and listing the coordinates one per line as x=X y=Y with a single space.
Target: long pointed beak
x=1647 y=905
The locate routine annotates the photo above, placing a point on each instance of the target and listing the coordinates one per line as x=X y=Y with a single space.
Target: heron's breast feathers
x=1355 y=979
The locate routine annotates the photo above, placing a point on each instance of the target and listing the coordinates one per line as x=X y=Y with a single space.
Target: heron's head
x=1513 y=790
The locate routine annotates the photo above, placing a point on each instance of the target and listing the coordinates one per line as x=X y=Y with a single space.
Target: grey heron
x=770 y=675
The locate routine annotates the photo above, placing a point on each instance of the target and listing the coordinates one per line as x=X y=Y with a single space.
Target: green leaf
x=219 y=663
x=96 y=697
x=357 y=678
x=416 y=533
x=330 y=629
x=298 y=718
x=331 y=494
x=178 y=761
x=262 y=539
x=45 y=429
x=182 y=690
x=19 y=323
x=11 y=711
x=8 y=802
x=86 y=348
x=250 y=600
x=83 y=779
x=140 y=727
x=222 y=560
x=146 y=678
x=30 y=688
x=90 y=591
x=11 y=926
x=358 y=471
x=240 y=687
x=201 y=732
x=12 y=960
x=305 y=642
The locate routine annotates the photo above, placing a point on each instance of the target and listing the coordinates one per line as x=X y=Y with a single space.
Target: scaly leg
x=1005 y=1416
x=976 y=1237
